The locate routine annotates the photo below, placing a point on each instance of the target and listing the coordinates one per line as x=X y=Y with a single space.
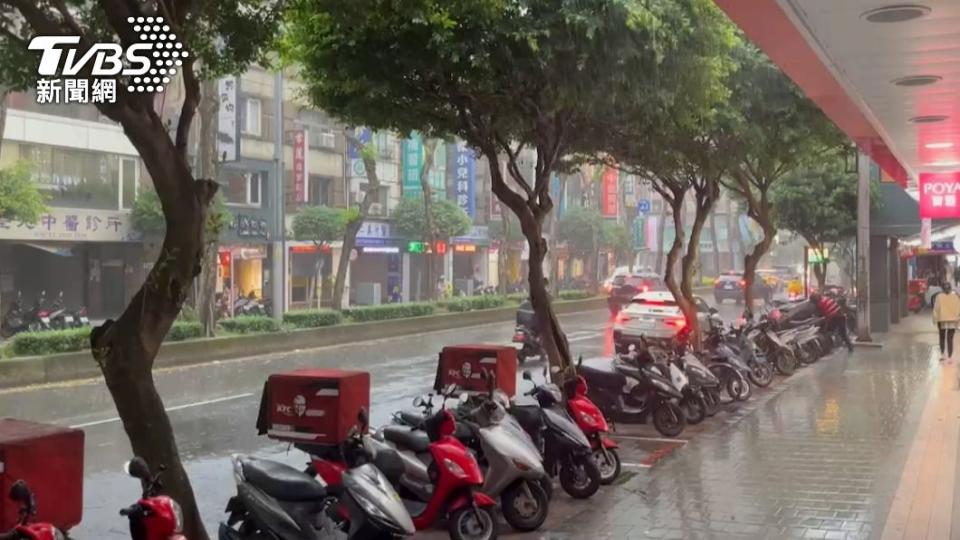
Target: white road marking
x=592 y=335
x=168 y=409
x=636 y=465
x=616 y=435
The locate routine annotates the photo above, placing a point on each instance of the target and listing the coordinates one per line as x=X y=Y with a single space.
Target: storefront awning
x=59 y=250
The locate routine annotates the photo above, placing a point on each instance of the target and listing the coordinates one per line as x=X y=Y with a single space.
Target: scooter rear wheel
x=761 y=374
x=786 y=362
x=738 y=387
x=525 y=505
x=581 y=478
x=669 y=419
x=711 y=398
x=469 y=523
x=608 y=463
x=694 y=409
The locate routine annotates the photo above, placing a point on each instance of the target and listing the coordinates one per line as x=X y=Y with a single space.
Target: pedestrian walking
x=956 y=275
x=946 y=316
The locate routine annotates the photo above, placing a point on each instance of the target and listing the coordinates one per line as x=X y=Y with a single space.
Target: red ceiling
x=764 y=22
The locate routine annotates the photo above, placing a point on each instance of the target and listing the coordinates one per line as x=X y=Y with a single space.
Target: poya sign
x=940 y=195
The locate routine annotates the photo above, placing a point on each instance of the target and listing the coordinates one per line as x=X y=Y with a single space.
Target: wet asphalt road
x=213 y=408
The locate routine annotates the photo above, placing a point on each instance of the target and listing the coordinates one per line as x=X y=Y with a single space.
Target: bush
x=51 y=342
x=575 y=294
x=517 y=298
x=183 y=330
x=472 y=303
x=389 y=311
x=250 y=325
x=312 y=318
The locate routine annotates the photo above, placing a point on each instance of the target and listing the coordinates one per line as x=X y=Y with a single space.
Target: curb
x=30 y=370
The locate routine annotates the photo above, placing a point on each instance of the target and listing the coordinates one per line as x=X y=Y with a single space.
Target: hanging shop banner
x=939 y=194
x=926 y=226
x=465 y=178
x=437 y=176
x=608 y=194
x=653 y=223
x=639 y=233
x=630 y=191
x=69 y=224
x=412 y=164
x=228 y=133
x=301 y=168
x=557 y=194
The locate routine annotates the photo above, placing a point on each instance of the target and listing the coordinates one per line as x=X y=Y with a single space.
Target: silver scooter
x=512 y=465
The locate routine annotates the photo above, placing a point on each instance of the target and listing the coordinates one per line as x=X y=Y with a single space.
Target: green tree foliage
x=503 y=76
x=617 y=238
x=19 y=197
x=322 y=224
x=448 y=219
x=147 y=215
x=580 y=228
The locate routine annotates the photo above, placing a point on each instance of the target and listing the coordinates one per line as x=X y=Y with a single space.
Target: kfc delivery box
x=50 y=460
x=464 y=365
x=313 y=406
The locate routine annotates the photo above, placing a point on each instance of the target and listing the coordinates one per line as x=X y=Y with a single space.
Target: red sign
x=300 y=170
x=608 y=195
x=940 y=195
x=441 y=247
x=225 y=258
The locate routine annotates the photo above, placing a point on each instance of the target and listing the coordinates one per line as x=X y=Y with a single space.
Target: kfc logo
x=466 y=370
x=299 y=407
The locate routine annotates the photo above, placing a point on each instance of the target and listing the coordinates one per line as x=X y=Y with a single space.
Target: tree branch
x=67 y=16
x=188 y=110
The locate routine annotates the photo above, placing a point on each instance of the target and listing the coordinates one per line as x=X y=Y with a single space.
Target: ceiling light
x=938 y=145
x=917 y=80
x=928 y=119
x=944 y=164
x=896 y=13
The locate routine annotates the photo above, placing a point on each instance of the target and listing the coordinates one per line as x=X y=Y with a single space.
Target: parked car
x=655 y=316
x=625 y=287
x=731 y=286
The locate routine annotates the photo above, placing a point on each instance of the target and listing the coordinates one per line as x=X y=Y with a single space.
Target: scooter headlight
x=177 y=515
x=588 y=419
x=57 y=535
x=454 y=469
x=237 y=470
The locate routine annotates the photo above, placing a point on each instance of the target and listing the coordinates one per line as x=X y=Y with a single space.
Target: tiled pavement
x=819 y=456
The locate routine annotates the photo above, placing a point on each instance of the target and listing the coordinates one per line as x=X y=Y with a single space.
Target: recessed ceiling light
x=896 y=13
x=928 y=119
x=944 y=164
x=917 y=80
x=938 y=145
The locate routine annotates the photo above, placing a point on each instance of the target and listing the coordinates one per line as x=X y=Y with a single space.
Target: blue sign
x=365 y=136
x=556 y=193
x=643 y=206
x=465 y=178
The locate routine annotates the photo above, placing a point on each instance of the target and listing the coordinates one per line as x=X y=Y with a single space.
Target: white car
x=655 y=316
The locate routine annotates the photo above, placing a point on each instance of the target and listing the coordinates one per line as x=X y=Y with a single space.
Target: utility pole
x=279 y=267
x=863 y=248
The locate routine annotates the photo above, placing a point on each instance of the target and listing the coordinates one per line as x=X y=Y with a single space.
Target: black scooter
x=566 y=450
x=530 y=346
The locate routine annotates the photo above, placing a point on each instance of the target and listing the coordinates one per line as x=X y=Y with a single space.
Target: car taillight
x=622 y=317
x=518 y=337
x=645 y=288
x=677 y=323
x=743 y=283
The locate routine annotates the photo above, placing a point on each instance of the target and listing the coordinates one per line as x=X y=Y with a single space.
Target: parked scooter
x=15 y=319
x=565 y=448
x=590 y=420
x=633 y=391
x=441 y=477
x=26 y=529
x=726 y=364
x=154 y=516
x=530 y=346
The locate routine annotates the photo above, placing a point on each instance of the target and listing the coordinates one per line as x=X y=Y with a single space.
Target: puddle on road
x=637 y=453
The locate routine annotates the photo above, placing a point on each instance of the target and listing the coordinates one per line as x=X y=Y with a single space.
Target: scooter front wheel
x=669 y=419
x=711 y=398
x=525 y=505
x=761 y=374
x=608 y=463
x=694 y=409
x=786 y=362
x=580 y=477
x=738 y=387
x=469 y=523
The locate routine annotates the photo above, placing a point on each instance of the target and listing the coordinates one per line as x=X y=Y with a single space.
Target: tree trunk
x=429 y=149
x=502 y=255
x=715 y=243
x=752 y=260
x=686 y=306
x=350 y=235
x=207 y=151
x=125 y=349
x=4 y=91
x=661 y=227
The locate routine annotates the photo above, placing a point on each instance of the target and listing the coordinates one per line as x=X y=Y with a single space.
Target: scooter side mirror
x=138 y=468
x=527 y=376
x=363 y=419
x=20 y=493
x=418 y=401
x=580 y=361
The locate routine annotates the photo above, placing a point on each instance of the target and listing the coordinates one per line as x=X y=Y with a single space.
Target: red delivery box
x=50 y=460
x=313 y=406
x=463 y=365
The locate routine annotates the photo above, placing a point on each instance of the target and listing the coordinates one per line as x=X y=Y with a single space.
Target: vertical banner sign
x=465 y=178
x=940 y=195
x=437 y=177
x=412 y=164
x=630 y=191
x=556 y=193
x=300 y=165
x=925 y=232
x=608 y=200
x=228 y=133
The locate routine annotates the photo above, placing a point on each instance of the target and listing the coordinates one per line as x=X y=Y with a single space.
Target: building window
x=326 y=139
x=78 y=179
x=251 y=117
x=128 y=182
x=318 y=191
x=244 y=188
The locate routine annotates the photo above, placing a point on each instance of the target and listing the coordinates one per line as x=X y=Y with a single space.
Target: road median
x=30 y=370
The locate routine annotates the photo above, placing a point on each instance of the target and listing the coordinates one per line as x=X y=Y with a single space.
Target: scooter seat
x=603 y=378
x=407 y=438
x=280 y=481
x=411 y=418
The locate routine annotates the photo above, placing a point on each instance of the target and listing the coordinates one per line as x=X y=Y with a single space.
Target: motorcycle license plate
x=45 y=320
x=68 y=319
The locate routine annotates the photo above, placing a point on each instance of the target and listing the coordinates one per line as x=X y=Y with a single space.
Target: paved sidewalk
x=823 y=457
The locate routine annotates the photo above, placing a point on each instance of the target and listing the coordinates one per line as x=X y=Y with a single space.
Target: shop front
x=376 y=274
x=93 y=256
x=244 y=256
x=470 y=268
x=311 y=272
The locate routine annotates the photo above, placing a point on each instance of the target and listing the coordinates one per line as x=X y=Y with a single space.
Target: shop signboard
x=375 y=233
x=557 y=194
x=301 y=167
x=939 y=195
x=465 y=178
x=412 y=150
x=478 y=235
x=228 y=132
x=247 y=226
x=630 y=191
x=608 y=194
x=68 y=224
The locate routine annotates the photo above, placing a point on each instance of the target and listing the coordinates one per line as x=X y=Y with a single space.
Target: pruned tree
x=448 y=219
x=321 y=225
x=580 y=229
x=780 y=131
x=429 y=231
x=617 y=238
x=368 y=154
x=224 y=37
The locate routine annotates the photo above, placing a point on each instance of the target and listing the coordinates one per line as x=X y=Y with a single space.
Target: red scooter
x=154 y=516
x=590 y=420
x=454 y=474
x=20 y=493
